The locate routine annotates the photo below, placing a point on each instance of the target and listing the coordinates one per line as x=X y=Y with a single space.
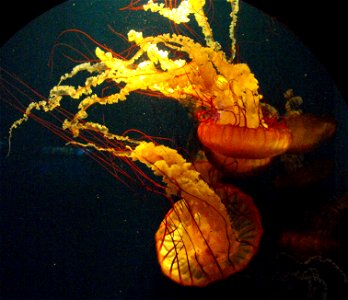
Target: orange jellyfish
x=318 y=233
x=193 y=250
x=240 y=130
x=228 y=94
x=206 y=236
x=308 y=130
x=237 y=167
x=198 y=76
x=240 y=140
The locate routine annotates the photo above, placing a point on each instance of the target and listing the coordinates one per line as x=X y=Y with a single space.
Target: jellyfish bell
x=238 y=167
x=215 y=167
x=196 y=245
x=247 y=147
x=309 y=131
x=190 y=249
x=246 y=222
x=241 y=130
x=208 y=172
x=242 y=142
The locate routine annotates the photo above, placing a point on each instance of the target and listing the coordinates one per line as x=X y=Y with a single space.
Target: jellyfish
x=191 y=258
x=318 y=233
x=308 y=130
x=223 y=95
x=207 y=235
x=237 y=167
x=228 y=97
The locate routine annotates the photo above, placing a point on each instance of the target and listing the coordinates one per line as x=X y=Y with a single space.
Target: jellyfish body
x=243 y=142
x=237 y=167
x=211 y=233
x=309 y=131
x=193 y=244
x=198 y=76
x=196 y=245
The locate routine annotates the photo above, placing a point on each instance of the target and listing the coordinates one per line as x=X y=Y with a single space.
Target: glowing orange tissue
x=210 y=233
x=197 y=245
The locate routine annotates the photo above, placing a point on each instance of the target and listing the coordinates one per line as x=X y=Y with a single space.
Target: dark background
x=319 y=26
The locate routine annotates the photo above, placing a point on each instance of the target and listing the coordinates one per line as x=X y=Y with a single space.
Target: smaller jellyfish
x=237 y=167
x=307 y=244
x=214 y=167
x=309 y=131
x=319 y=231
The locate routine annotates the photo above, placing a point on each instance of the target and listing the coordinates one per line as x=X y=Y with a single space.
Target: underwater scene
x=170 y=150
